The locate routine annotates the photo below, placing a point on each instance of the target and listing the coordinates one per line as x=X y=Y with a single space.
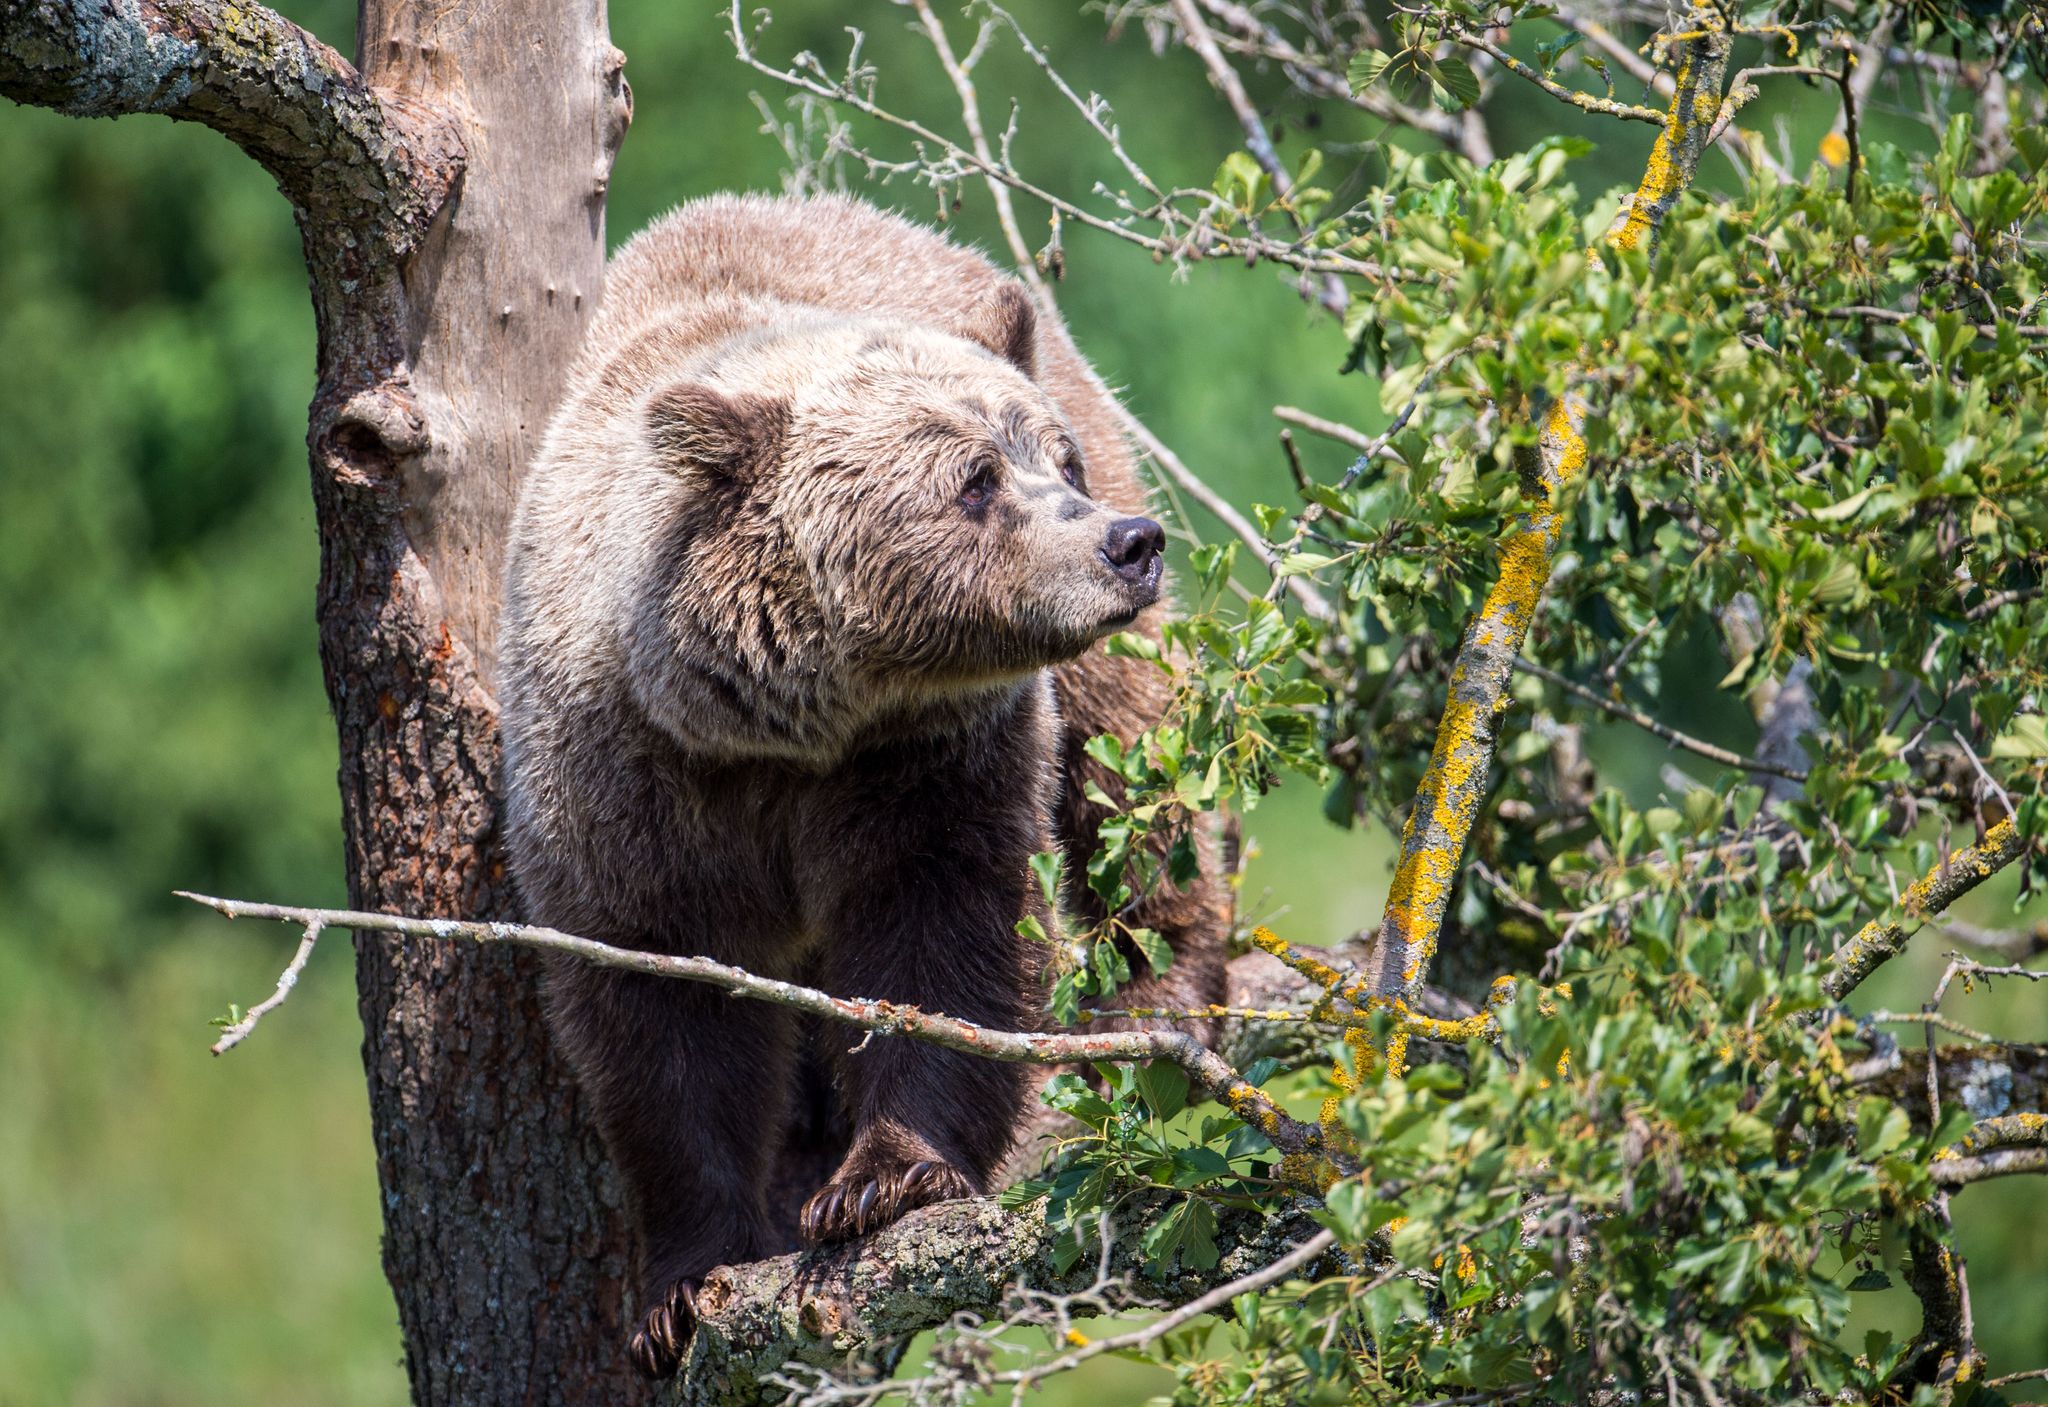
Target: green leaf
x=1458 y=80
x=1301 y=563
x=1019 y=1195
x=1158 y=952
x=1048 y=865
x=1164 y=1087
x=1367 y=67
x=1348 y=1204
x=2026 y=736
x=1262 y=1070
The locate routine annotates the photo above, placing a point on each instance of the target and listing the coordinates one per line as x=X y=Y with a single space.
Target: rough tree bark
x=450 y=195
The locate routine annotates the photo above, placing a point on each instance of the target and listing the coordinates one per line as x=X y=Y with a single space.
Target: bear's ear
x=1005 y=322
x=728 y=436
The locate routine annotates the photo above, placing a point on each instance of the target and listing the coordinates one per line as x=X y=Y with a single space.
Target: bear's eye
x=980 y=486
x=1069 y=465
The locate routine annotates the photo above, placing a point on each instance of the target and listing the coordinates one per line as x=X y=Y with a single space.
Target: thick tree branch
x=442 y=339
x=347 y=158
x=1988 y=1081
x=1998 y=1147
x=824 y=1309
x=1453 y=789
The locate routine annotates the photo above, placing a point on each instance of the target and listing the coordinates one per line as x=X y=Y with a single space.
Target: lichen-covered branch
x=1996 y=1147
x=1881 y=940
x=763 y=1325
x=1449 y=799
x=1205 y=1069
x=345 y=157
x=1605 y=107
x=1989 y=1081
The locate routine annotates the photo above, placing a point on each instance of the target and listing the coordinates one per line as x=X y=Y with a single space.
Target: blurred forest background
x=180 y=1230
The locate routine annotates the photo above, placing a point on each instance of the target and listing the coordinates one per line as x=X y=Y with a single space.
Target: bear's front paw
x=657 y=1349
x=867 y=1198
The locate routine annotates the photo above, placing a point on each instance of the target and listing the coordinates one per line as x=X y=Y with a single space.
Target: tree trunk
x=503 y=1238
x=451 y=199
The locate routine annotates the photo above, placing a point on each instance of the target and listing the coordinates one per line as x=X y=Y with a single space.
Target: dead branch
x=1205 y=1069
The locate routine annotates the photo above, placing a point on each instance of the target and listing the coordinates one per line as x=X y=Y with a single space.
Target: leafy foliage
x=1820 y=455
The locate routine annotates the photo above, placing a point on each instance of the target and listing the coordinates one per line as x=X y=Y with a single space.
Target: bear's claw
x=860 y=1200
x=657 y=1349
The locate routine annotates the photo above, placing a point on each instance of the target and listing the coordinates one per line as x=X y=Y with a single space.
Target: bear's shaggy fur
x=798 y=655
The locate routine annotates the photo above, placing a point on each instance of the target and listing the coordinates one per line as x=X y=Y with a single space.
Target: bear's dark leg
x=689 y=1087
x=922 y=894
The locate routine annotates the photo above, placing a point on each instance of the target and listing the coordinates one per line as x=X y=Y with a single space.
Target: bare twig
x=1205 y=1070
x=236 y=1032
x=1605 y=107
x=970 y=118
x=1256 y=139
x=1650 y=725
x=1329 y=429
x=941 y=161
x=1248 y=34
x=1303 y=1255
x=1194 y=487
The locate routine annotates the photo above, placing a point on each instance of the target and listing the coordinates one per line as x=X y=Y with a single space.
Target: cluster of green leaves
x=1244 y=712
x=1828 y=410
x=1656 y=1181
x=1818 y=465
x=1148 y=1164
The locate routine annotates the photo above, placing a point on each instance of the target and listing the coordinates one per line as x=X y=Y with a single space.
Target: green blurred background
x=180 y=1230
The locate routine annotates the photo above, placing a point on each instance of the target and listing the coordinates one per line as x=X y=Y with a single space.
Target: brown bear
x=799 y=651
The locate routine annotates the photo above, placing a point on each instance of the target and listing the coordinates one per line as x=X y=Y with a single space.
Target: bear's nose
x=1132 y=546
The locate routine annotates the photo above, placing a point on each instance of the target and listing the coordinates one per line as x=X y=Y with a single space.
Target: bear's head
x=885 y=502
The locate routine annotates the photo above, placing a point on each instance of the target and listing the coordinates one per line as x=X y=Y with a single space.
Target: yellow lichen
x=1308 y=1171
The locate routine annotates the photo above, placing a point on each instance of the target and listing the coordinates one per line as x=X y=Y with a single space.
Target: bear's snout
x=1132 y=548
